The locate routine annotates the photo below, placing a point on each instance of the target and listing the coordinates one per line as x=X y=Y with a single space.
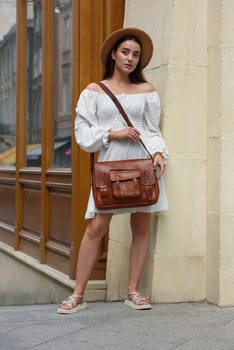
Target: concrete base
x=24 y=281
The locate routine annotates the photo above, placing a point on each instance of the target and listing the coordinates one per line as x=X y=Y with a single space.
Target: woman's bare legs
x=140 y=225
x=96 y=229
x=88 y=252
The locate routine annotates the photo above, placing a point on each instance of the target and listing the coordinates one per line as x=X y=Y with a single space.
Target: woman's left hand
x=159 y=162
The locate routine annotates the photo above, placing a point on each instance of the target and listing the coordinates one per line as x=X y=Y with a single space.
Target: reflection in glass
x=7 y=83
x=33 y=84
x=62 y=83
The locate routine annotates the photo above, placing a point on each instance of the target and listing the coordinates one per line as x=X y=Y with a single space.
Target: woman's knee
x=98 y=227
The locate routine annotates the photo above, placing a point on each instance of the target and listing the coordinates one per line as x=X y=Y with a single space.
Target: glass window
x=34 y=84
x=62 y=83
x=7 y=83
x=67 y=33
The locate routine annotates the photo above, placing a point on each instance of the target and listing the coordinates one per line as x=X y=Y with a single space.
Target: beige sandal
x=135 y=301
x=73 y=305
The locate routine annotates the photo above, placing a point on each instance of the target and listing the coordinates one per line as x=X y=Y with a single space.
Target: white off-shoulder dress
x=97 y=114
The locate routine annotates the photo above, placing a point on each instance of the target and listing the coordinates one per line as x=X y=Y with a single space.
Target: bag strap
x=121 y=110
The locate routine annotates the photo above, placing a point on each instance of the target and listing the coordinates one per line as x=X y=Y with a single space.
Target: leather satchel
x=123 y=183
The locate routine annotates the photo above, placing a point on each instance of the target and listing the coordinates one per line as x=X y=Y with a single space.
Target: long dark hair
x=136 y=76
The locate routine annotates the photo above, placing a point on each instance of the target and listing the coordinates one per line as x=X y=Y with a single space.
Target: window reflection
x=61 y=94
x=62 y=83
x=7 y=83
x=33 y=84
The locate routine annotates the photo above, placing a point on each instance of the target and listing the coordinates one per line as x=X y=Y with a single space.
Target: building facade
x=43 y=194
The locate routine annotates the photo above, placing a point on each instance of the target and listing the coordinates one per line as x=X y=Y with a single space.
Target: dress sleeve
x=90 y=136
x=154 y=142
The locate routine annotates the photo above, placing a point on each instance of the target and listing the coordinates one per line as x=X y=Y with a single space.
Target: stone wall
x=24 y=281
x=220 y=118
x=191 y=258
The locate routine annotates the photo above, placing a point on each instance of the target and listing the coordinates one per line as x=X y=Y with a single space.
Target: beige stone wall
x=220 y=229
x=191 y=258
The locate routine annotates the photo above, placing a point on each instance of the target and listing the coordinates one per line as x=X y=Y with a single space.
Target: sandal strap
x=72 y=299
x=78 y=296
x=137 y=297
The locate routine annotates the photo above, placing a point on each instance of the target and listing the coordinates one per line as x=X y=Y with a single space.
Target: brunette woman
x=100 y=127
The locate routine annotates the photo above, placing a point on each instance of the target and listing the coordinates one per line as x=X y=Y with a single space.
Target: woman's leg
x=87 y=256
x=140 y=225
x=89 y=248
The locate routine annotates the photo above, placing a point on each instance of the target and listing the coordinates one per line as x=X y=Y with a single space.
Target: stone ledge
x=37 y=283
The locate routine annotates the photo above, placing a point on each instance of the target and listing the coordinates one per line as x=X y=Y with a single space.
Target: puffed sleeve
x=90 y=136
x=154 y=141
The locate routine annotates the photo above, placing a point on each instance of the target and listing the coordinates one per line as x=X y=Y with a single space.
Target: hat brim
x=143 y=37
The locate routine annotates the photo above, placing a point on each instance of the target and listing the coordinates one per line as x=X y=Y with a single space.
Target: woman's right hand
x=126 y=133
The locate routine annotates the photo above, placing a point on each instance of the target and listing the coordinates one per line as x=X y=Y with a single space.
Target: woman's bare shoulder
x=146 y=87
x=94 y=87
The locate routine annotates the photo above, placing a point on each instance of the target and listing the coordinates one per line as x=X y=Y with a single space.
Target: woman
x=100 y=127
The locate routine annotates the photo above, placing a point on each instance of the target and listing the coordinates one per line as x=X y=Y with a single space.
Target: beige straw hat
x=144 y=38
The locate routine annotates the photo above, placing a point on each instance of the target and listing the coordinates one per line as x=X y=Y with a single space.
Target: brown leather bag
x=123 y=183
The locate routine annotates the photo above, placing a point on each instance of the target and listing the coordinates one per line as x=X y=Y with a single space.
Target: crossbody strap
x=121 y=110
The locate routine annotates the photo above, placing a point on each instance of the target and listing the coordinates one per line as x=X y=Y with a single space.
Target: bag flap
x=123 y=175
x=143 y=167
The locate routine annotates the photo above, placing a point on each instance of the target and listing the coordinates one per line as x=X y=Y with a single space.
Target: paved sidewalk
x=107 y=326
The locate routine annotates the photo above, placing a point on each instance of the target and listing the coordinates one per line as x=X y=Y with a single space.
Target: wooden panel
x=7 y=203
x=32 y=211
x=30 y=233
x=29 y=247
x=7 y=206
x=58 y=251
x=60 y=217
x=59 y=206
x=58 y=261
x=58 y=177
x=30 y=175
x=7 y=235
